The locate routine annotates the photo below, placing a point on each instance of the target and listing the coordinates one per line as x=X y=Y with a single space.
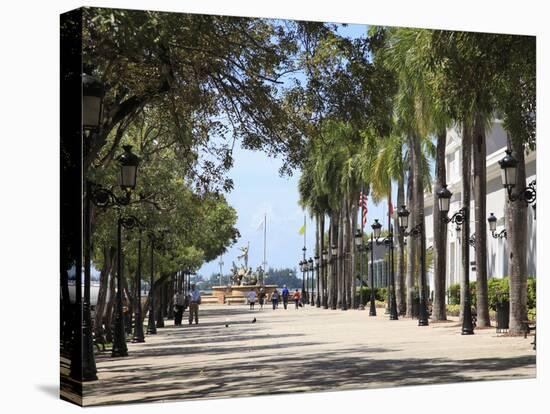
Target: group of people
x=193 y=300
x=275 y=298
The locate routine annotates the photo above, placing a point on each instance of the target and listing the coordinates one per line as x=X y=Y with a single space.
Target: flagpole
x=265 y=239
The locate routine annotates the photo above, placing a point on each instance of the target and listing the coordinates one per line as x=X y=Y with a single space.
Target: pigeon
x=254 y=320
x=226 y=322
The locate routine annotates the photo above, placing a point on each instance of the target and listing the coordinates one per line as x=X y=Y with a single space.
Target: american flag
x=363 y=204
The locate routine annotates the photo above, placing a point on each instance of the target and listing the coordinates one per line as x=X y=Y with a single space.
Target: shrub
x=380 y=294
x=494 y=288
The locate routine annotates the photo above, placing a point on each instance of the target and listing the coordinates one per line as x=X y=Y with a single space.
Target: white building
x=497 y=265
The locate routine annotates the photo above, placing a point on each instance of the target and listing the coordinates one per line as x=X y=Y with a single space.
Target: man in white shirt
x=179 y=304
x=251 y=298
x=194 y=296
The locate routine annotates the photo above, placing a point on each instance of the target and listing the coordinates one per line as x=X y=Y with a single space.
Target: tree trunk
x=322 y=274
x=354 y=256
x=466 y=185
x=340 y=263
x=110 y=305
x=400 y=291
x=516 y=226
x=419 y=217
x=108 y=260
x=411 y=249
x=479 y=151
x=333 y=268
x=439 y=311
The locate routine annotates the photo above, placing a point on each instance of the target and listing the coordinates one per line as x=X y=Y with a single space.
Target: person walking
x=261 y=298
x=275 y=299
x=285 y=293
x=296 y=298
x=179 y=304
x=251 y=298
x=194 y=297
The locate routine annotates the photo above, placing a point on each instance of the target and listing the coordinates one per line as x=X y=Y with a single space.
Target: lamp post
x=220 y=263
x=302 y=296
x=444 y=197
x=333 y=261
x=360 y=246
x=83 y=367
x=317 y=294
x=151 y=327
x=324 y=269
x=508 y=168
x=388 y=242
x=493 y=227
x=311 y=273
x=416 y=232
x=119 y=338
x=370 y=247
x=138 y=325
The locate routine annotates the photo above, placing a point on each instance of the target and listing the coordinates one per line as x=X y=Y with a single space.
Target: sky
x=259 y=190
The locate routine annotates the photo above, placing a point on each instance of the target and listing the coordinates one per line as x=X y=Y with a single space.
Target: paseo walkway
x=301 y=350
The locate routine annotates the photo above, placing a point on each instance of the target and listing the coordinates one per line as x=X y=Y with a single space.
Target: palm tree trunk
x=516 y=226
x=333 y=268
x=479 y=151
x=411 y=251
x=419 y=216
x=110 y=305
x=400 y=291
x=466 y=188
x=353 y=263
x=322 y=269
x=439 y=311
x=340 y=266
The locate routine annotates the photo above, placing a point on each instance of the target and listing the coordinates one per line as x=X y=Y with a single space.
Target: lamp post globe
x=129 y=163
x=358 y=238
x=403 y=217
x=508 y=169
x=492 y=223
x=334 y=250
x=376 y=228
x=93 y=91
x=325 y=255
x=444 y=199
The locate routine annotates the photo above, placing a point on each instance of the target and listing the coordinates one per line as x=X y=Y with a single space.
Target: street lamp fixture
x=416 y=232
x=508 y=169
x=93 y=92
x=387 y=241
x=444 y=200
x=493 y=227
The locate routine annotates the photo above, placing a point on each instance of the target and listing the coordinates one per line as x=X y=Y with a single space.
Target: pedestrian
x=179 y=305
x=194 y=297
x=275 y=299
x=261 y=298
x=251 y=298
x=296 y=298
x=285 y=293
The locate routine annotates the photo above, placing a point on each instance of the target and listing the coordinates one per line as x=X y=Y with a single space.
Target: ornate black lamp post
x=138 y=325
x=318 y=273
x=151 y=327
x=360 y=246
x=324 y=267
x=83 y=367
x=508 y=166
x=333 y=262
x=302 y=269
x=312 y=274
x=416 y=232
x=444 y=197
x=372 y=300
x=387 y=241
x=493 y=227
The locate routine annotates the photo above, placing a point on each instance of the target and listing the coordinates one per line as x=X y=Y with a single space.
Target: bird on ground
x=254 y=320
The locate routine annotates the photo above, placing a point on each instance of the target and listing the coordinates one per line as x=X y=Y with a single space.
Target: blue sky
x=259 y=190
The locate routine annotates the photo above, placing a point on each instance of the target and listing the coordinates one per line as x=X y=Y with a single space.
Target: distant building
x=497 y=265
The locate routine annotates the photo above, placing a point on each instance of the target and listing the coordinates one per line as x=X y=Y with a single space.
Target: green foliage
x=495 y=287
x=380 y=294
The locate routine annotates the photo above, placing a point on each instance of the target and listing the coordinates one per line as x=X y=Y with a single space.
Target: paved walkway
x=301 y=350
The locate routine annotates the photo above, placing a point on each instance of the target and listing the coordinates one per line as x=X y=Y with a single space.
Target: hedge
x=494 y=286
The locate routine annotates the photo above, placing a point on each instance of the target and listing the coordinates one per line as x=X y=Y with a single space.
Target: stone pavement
x=301 y=350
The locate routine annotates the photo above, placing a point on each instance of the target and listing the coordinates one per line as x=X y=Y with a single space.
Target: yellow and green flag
x=302 y=229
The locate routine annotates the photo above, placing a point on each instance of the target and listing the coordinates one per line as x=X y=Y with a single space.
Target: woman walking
x=275 y=299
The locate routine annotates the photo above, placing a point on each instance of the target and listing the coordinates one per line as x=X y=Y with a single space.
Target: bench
x=529 y=326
